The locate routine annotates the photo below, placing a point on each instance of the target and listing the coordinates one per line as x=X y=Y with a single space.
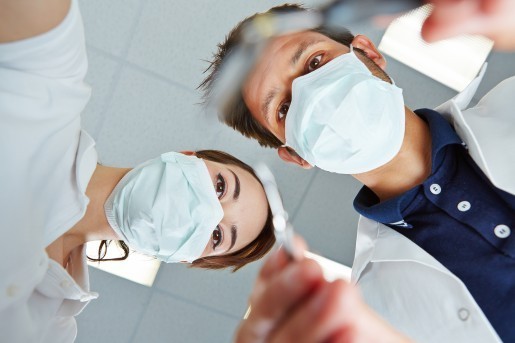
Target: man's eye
x=217 y=237
x=220 y=186
x=314 y=63
x=283 y=110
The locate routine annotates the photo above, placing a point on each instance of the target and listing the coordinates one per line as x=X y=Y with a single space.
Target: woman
x=207 y=209
x=232 y=191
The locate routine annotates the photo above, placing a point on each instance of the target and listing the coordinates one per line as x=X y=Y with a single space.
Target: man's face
x=268 y=89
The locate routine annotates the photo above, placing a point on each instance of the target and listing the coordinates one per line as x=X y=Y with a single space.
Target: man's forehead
x=282 y=52
x=281 y=44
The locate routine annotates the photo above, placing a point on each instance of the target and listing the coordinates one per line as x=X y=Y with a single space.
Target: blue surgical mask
x=343 y=119
x=166 y=207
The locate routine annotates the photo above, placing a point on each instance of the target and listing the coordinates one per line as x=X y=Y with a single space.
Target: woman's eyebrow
x=234 y=235
x=236 y=186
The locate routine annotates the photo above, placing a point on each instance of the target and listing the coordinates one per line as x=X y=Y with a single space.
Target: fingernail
x=320 y=298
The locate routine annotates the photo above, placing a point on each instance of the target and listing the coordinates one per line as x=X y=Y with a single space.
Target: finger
x=450 y=18
x=272 y=302
x=321 y=316
x=491 y=6
x=280 y=259
x=362 y=324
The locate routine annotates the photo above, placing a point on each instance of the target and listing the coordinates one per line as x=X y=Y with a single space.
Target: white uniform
x=405 y=284
x=46 y=164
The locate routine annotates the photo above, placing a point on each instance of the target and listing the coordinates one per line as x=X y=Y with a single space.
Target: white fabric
x=405 y=284
x=47 y=162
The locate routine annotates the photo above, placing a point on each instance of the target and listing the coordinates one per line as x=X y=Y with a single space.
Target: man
x=322 y=98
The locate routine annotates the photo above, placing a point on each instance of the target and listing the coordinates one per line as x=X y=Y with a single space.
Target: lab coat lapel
x=378 y=243
x=462 y=99
x=365 y=243
x=487 y=129
x=86 y=160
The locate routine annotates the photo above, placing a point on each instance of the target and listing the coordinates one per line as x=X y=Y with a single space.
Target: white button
x=65 y=284
x=464 y=206
x=502 y=231
x=12 y=291
x=435 y=188
x=464 y=314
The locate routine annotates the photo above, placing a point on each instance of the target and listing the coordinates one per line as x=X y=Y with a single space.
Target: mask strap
x=351 y=48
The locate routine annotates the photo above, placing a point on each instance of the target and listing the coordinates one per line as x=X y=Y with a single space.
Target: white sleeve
x=41 y=97
x=58 y=54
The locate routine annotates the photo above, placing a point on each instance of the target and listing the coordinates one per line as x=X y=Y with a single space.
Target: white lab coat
x=402 y=282
x=46 y=164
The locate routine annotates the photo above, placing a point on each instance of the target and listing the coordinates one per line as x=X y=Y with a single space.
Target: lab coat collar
x=85 y=164
x=463 y=98
x=376 y=242
x=86 y=161
x=487 y=128
x=70 y=284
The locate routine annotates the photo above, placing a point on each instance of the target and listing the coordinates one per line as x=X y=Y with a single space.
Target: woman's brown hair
x=255 y=249
x=236 y=260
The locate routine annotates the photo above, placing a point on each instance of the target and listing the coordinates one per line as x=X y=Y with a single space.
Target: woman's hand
x=292 y=302
x=492 y=18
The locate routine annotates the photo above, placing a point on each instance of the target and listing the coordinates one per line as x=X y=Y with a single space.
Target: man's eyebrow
x=234 y=235
x=303 y=46
x=236 y=186
x=267 y=101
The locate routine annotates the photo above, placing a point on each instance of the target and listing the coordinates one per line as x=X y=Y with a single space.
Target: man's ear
x=188 y=153
x=365 y=44
x=289 y=155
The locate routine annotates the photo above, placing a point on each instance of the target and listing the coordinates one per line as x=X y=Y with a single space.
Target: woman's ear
x=365 y=44
x=289 y=155
x=188 y=153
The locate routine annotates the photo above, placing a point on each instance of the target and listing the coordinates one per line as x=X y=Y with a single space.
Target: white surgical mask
x=343 y=119
x=166 y=207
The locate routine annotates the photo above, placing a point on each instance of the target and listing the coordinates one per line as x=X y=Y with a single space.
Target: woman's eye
x=283 y=110
x=314 y=63
x=220 y=186
x=217 y=237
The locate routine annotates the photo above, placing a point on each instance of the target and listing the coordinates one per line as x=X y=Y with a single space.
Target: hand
x=492 y=18
x=292 y=302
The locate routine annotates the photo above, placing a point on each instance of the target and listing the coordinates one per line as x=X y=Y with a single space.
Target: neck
x=409 y=168
x=94 y=226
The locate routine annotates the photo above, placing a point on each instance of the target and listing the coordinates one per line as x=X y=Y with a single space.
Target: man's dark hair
x=238 y=115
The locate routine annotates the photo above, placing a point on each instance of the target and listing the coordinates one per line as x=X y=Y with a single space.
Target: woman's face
x=245 y=208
